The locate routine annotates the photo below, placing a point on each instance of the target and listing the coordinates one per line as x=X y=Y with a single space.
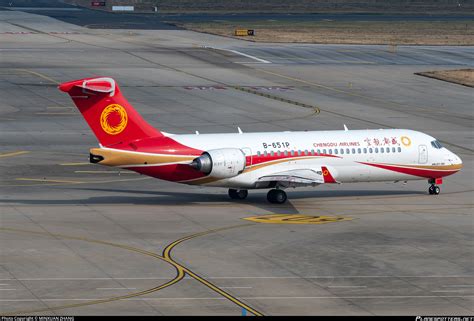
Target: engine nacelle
x=221 y=163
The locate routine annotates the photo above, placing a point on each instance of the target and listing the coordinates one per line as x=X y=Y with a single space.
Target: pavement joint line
x=257 y=298
x=56 y=113
x=48 y=180
x=274 y=97
x=251 y=277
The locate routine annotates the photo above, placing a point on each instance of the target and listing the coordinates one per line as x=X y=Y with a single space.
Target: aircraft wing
x=299 y=177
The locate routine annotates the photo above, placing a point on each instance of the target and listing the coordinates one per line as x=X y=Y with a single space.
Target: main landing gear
x=276 y=196
x=238 y=194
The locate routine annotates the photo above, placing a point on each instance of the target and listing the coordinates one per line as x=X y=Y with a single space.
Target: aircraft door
x=422 y=154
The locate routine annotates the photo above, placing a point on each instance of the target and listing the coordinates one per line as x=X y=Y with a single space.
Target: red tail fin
x=112 y=119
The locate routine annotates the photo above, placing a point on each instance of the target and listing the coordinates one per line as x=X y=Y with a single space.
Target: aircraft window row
x=436 y=144
x=341 y=151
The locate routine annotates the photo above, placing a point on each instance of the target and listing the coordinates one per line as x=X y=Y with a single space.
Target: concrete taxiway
x=83 y=239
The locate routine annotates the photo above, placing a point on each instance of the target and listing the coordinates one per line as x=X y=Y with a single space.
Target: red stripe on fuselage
x=420 y=172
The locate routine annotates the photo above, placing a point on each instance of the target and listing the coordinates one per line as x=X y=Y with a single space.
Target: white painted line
x=459 y=286
x=260 y=298
x=246 y=55
x=116 y=288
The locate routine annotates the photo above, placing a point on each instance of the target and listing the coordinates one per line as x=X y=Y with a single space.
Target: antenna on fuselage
x=240 y=130
x=345 y=128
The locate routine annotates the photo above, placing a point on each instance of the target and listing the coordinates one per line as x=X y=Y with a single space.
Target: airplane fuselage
x=351 y=156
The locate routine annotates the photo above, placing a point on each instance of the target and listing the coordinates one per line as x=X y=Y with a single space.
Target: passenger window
x=299 y=152
x=399 y=149
x=370 y=150
x=312 y=152
x=335 y=151
x=319 y=152
x=381 y=150
x=330 y=151
x=278 y=153
x=353 y=151
x=286 y=153
x=348 y=151
x=376 y=149
x=265 y=154
x=342 y=151
x=393 y=150
x=388 y=149
x=306 y=152
x=272 y=154
x=365 y=150
x=258 y=153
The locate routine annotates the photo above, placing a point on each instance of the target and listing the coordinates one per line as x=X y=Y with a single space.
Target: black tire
x=277 y=196
x=238 y=194
x=437 y=190
x=431 y=189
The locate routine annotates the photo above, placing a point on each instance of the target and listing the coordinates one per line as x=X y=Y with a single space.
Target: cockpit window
x=436 y=144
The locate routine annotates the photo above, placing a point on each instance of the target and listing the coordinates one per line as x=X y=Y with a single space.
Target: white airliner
x=243 y=161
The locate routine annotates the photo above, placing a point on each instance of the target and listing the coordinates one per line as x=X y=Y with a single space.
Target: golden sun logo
x=113 y=119
x=406 y=141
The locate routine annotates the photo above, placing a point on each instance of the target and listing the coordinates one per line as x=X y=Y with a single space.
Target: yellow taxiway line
x=179 y=273
x=74 y=164
x=14 y=153
x=167 y=255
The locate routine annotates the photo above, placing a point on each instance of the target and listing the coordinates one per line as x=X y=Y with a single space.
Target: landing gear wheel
x=434 y=190
x=238 y=194
x=276 y=196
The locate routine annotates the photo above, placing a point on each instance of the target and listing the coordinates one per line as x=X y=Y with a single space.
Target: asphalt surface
x=98 y=19
x=83 y=239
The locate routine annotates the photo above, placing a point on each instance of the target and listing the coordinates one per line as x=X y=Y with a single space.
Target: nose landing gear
x=434 y=189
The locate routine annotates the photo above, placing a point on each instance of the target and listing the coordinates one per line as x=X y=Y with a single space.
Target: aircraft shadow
x=167 y=198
